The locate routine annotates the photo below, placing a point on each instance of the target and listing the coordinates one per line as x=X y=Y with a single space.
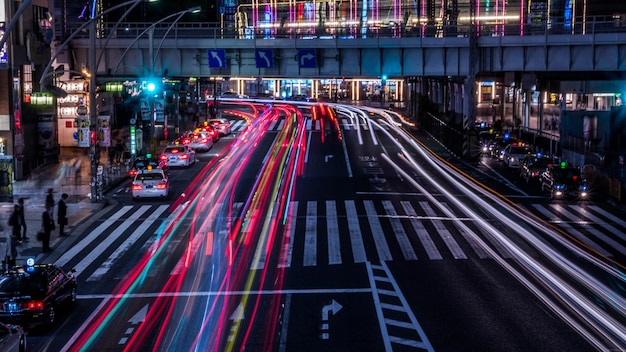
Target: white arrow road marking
x=236 y=317
x=334 y=307
x=136 y=319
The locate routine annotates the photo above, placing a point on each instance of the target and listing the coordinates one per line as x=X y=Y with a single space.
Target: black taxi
x=31 y=293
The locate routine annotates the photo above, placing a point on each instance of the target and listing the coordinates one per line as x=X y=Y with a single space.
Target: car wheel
x=22 y=345
x=73 y=295
x=50 y=316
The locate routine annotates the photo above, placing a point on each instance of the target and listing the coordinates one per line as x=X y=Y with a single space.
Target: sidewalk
x=72 y=176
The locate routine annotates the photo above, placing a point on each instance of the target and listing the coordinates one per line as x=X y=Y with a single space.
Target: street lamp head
x=195 y=9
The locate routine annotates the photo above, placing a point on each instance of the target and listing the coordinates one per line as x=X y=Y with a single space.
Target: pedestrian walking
x=62 y=214
x=16 y=228
x=50 y=198
x=119 y=151
x=47 y=225
x=22 y=219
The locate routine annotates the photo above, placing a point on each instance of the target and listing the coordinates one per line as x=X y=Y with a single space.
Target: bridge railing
x=206 y=30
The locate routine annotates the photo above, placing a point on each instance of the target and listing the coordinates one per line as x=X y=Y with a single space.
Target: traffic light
x=151 y=86
x=383 y=79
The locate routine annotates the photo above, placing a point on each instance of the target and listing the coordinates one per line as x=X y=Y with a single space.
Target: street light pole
x=96 y=190
x=94 y=153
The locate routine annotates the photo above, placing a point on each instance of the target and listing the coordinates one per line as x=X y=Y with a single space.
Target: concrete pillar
x=540 y=112
x=528 y=97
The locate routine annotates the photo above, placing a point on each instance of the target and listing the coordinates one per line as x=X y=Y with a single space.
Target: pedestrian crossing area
x=237 y=126
x=335 y=232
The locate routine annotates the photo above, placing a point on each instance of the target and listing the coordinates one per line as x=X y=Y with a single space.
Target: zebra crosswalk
x=311 y=125
x=335 y=232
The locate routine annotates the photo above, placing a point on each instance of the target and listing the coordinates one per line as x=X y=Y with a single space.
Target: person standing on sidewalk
x=47 y=225
x=22 y=219
x=50 y=198
x=16 y=228
x=62 y=214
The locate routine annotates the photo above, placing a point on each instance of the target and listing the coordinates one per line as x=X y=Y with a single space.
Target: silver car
x=178 y=155
x=221 y=125
x=514 y=153
x=200 y=141
x=150 y=183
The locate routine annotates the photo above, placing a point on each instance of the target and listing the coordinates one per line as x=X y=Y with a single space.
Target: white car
x=178 y=155
x=514 y=153
x=150 y=183
x=221 y=125
x=200 y=141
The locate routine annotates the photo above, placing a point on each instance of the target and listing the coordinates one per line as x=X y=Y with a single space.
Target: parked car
x=514 y=152
x=31 y=294
x=12 y=338
x=178 y=155
x=532 y=166
x=150 y=183
x=221 y=125
x=564 y=182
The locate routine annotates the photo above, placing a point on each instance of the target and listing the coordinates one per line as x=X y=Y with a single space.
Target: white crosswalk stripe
x=398 y=230
x=443 y=232
x=332 y=229
x=286 y=252
x=356 y=239
x=91 y=237
x=384 y=254
x=422 y=233
x=562 y=212
x=333 y=233
x=130 y=240
x=311 y=125
x=310 y=234
x=109 y=239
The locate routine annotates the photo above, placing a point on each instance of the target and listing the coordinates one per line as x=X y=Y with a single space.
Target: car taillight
x=184 y=156
x=132 y=172
x=33 y=305
x=162 y=185
x=163 y=157
x=136 y=187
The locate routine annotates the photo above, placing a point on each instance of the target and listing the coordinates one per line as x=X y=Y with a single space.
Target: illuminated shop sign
x=3 y=51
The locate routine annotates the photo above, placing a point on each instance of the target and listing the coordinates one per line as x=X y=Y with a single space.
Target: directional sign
x=264 y=58
x=307 y=58
x=217 y=58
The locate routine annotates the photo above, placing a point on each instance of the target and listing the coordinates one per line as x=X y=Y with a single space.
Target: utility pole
x=94 y=152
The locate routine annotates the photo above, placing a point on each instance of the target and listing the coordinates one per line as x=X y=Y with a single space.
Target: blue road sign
x=307 y=58
x=217 y=58
x=264 y=58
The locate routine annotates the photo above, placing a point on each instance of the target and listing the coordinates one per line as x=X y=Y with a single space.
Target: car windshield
x=540 y=162
x=21 y=283
x=175 y=150
x=521 y=150
x=566 y=174
x=144 y=163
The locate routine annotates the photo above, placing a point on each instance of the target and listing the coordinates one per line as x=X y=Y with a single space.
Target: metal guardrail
x=205 y=30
